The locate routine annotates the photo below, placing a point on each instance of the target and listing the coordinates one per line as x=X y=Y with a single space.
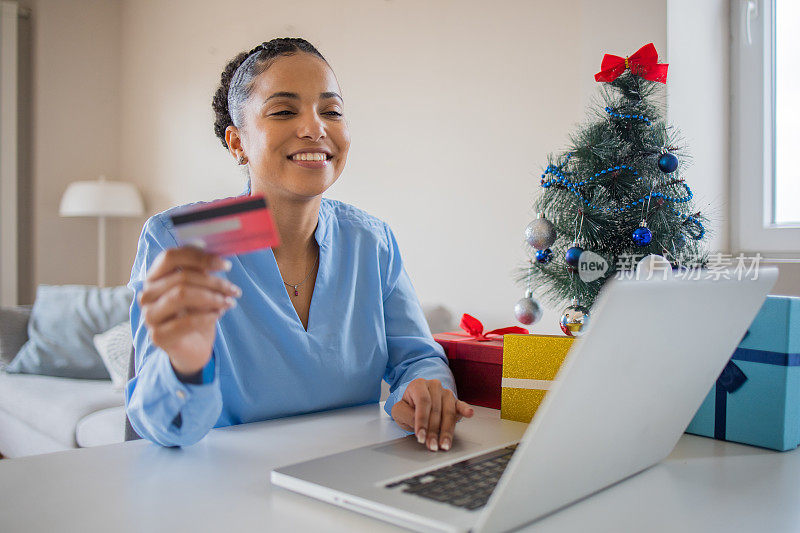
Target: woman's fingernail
x=219 y=263
x=445 y=444
x=421 y=436
x=237 y=291
x=230 y=302
x=433 y=445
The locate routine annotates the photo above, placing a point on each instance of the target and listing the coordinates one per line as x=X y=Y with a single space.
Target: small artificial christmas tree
x=618 y=192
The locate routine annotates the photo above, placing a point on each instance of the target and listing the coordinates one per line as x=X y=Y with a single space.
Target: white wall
x=453 y=108
x=698 y=98
x=75 y=130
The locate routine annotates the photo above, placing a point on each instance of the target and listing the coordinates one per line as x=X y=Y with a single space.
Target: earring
x=242 y=159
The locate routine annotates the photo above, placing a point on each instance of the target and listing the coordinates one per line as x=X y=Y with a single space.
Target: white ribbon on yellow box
x=521 y=383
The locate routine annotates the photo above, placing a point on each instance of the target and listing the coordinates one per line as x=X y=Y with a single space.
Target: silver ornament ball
x=540 y=233
x=575 y=319
x=527 y=310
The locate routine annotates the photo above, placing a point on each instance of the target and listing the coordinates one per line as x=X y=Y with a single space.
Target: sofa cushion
x=115 y=347
x=13 y=331
x=54 y=406
x=106 y=426
x=64 y=320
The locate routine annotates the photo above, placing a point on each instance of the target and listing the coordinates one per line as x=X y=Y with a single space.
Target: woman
x=320 y=320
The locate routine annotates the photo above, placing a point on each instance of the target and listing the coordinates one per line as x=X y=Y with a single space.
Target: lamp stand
x=101 y=252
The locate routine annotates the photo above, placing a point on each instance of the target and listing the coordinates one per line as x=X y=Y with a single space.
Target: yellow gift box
x=530 y=364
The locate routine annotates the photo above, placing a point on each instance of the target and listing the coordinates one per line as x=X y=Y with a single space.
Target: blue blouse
x=365 y=324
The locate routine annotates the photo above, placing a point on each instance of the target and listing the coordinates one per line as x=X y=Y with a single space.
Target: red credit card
x=227 y=227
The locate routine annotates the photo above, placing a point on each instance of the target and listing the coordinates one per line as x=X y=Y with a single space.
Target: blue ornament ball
x=544 y=256
x=642 y=236
x=573 y=255
x=667 y=163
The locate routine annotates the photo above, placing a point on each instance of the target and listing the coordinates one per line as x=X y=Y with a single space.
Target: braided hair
x=236 y=81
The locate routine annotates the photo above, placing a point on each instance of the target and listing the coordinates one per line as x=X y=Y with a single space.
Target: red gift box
x=476 y=360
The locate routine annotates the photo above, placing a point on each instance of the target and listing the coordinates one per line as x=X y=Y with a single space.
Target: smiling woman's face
x=294 y=133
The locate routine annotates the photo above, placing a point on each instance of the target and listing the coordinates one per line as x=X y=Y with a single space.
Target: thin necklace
x=307 y=276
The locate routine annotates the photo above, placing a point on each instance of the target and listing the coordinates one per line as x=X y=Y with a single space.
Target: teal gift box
x=756 y=399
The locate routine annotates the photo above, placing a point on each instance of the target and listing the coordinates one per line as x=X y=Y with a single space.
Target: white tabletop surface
x=222 y=484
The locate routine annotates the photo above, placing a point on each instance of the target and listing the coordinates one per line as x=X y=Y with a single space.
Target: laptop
x=622 y=399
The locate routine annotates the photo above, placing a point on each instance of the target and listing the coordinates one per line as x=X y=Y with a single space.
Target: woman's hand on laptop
x=431 y=412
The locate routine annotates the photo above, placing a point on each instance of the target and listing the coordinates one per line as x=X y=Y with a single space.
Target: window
x=786 y=111
x=765 y=111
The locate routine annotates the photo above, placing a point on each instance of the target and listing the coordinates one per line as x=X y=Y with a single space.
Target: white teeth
x=306 y=156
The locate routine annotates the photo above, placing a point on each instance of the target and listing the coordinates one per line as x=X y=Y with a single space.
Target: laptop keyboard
x=466 y=484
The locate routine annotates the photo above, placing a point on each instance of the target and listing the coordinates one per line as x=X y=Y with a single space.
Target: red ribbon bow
x=643 y=63
x=474 y=328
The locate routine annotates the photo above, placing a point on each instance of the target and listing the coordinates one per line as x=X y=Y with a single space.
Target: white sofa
x=42 y=414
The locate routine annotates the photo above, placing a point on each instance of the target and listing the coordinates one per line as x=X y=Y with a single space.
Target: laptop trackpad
x=409 y=448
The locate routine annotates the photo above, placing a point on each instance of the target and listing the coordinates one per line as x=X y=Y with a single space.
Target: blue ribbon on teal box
x=764 y=410
x=732 y=378
x=728 y=382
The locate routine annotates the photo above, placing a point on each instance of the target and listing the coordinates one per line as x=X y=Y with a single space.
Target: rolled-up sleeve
x=412 y=351
x=160 y=407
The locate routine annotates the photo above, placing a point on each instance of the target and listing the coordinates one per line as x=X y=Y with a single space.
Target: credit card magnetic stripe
x=225 y=210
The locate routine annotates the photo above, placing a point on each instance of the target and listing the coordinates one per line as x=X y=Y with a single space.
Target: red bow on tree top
x=643 y=63
x=473 y=326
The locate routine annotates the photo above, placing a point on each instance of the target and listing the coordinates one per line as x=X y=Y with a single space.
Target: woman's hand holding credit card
x=182 y=299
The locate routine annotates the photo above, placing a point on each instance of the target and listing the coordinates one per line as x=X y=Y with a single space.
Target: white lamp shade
x=101 y=198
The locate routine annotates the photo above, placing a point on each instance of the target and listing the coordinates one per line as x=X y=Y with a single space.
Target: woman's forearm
x=167 y=411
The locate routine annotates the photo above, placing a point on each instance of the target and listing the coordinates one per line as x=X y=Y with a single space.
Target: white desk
x=222 y=484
